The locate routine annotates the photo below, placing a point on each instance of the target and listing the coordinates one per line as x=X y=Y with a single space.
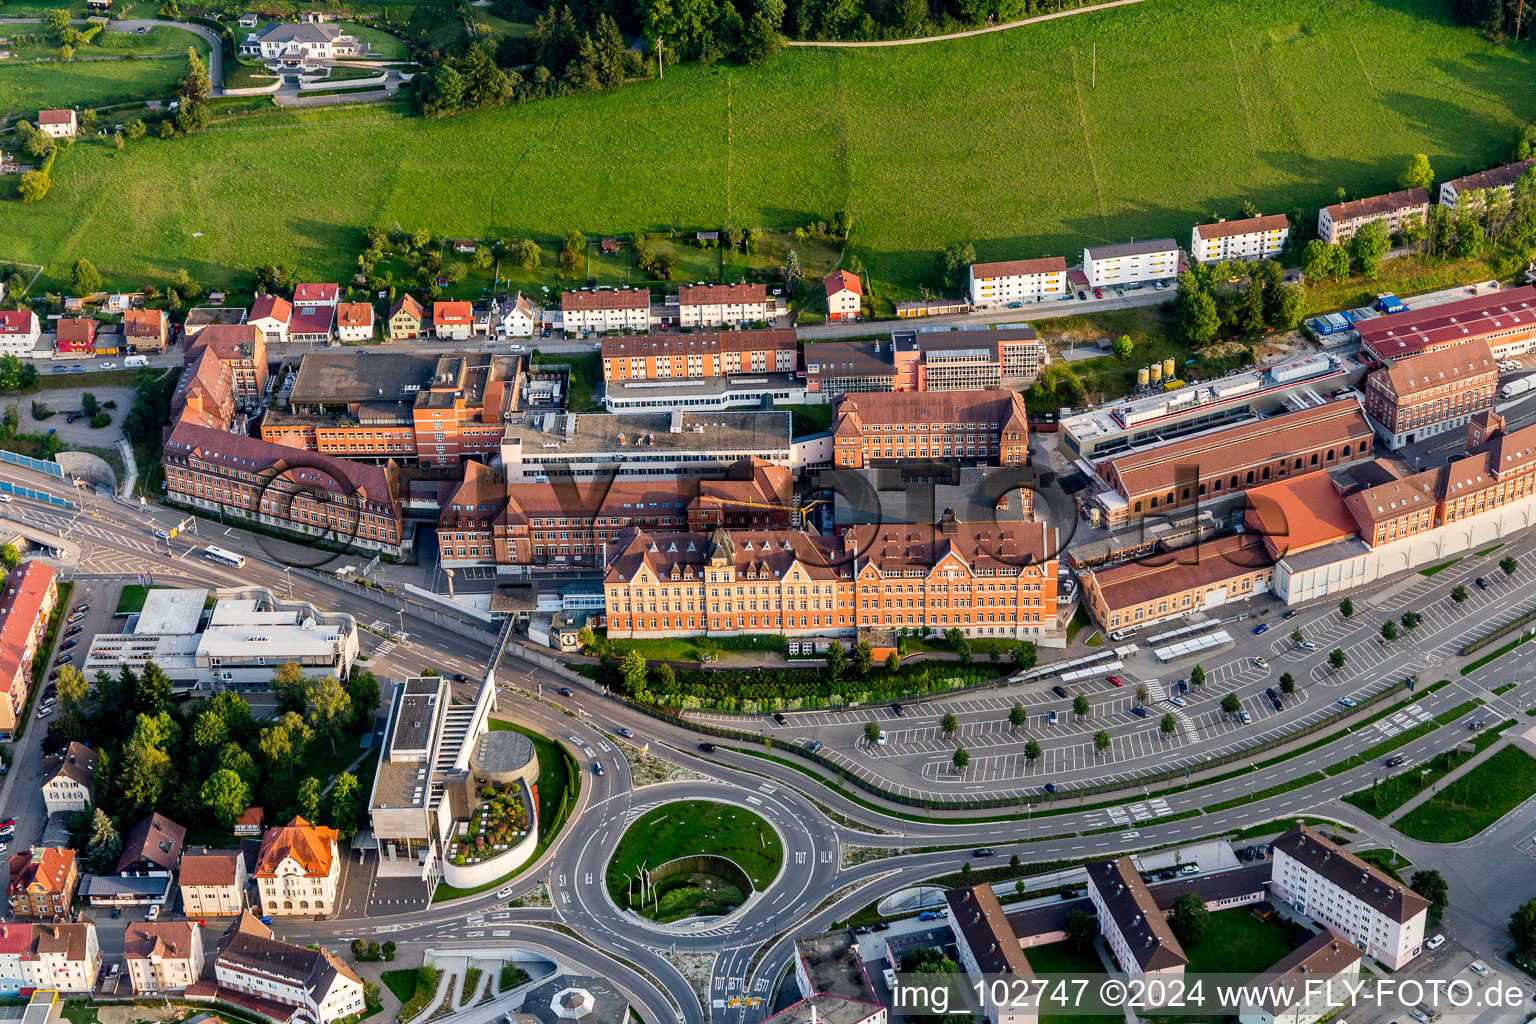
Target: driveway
x=66 y=400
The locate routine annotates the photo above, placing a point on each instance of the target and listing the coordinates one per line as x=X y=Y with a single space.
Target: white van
x=136 y=361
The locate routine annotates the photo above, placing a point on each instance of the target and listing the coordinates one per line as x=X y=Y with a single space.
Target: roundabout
x=693 y=859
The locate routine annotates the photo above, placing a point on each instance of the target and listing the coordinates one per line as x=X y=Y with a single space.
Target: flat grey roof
x=171 y=612
x=418 y=711
x=503 y=750
x=1109 y=252
x=832 y=961
x=1327 y=554
x=647 y=432
x=351 y=376
x=660 y=390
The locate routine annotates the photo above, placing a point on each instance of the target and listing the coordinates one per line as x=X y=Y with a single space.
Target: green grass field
x=1476 y=800
x=1239 y=943
x=688 y=827
x=26 y=87
x=1199 y=105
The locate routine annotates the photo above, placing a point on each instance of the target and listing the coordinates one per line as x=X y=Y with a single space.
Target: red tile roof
x=842 y=280
x=21 y=615
x=452 y=313
x=274 y=306
x=1246 y=226
x=47 y=873
x=605 y=298
x=143 y=323
x=1299 y=513
x=75 y=330
x=354 y=314
x=218 y=867
x=721 y=294
x=312 y=847
x=1414 y=330
x=17 y=321
x=55 y=116
x=1020 y=268
x=408 y=305
x=1378 y=206
x=310 y=294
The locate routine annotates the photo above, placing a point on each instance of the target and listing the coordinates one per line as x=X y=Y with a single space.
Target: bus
x=227 y=557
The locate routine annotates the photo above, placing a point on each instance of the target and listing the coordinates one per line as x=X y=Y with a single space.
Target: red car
x=1116 y=681
x=1098 y=293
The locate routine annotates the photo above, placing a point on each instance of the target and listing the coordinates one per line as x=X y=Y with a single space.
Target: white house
x=67 y=778
x=252 y=962
x=298 y=869
x=163 y=956
x=271 y=315
x=1377 y=913
x=1253 y=238
x=19 y=332
x=58 y=124
x=606 y=309
x=845 y=295
x=453 y=321
x=999 y=284
x=304 y=40
x=1129 y=262
x=517 y=319
x=63 y=957
x=311 y=296
x=714 y=305
x=354 y=321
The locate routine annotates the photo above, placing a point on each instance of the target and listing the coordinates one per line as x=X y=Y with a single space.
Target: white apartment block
x=1339 y=222
x=253 y=962
x=716 y=305
x=1130 y=262
x=1498 y=177
x=1254 y=238
x=1337 y=889
x=213 y=883
x=63 y=957
x=616 y=309
x=163 y=956
x=1000 y=284
x=19 y=332
x=989 y=949
x=1298 y=992
x=1133 y=927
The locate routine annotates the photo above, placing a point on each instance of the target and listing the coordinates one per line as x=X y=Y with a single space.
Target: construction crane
x=796 y=514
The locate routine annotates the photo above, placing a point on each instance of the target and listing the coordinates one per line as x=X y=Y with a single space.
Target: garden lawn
x=381 y=45
x=586 y=377
x=690 y=827
x=132 y=598
x=1063 y=958
x=1239 y=943
x=25 y=88
x=1199 y=106
x=1390 y=861
x=1476 y=800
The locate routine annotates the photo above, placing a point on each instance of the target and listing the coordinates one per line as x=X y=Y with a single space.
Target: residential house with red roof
x=146 y=330
x=309 y=296
x=255 y=970
x=298 y=869
x=716 y=305
x=163 y=957
x=58 y=124
x=74 y=335
x=1000 y=284
x=605 y=309
x=205 y=394
x=1251 y=238
x=19 y=332
x=1339 y=223
x=42 y=882
x=15 y=945
x=271 y=315
x=453 y=321
x=31 y=591
x=213 y=883
x=845 y=295
x=354 y=321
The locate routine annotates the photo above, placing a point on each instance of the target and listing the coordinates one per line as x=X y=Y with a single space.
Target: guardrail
x=36 y=465
x=1499 y=633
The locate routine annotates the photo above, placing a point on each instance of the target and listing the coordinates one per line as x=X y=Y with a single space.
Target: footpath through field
x=969 y=32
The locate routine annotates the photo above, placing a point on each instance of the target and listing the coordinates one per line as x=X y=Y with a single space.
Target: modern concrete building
x=570 y=446
x=237 y=645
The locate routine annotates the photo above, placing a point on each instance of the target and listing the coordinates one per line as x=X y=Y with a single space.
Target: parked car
x=813 y=746
x=1262 y=663
x=1098 y=293
x=1060 y=691
x=64 y=659
x=1244 y=718
x=1434 y=942
x=1189 y=869
x=68 y=644
x=1139 y=712
x=154 y=913
x=928 y=915
x=1479 y=968
x=1050 y=787
x=880 y=739
x=1115 y=681
x=1482 y=584
x=1083 y=296
x=1288 y=613
x=1183 y=685
x=779 y=717
x=1345 y=702
x=1050 y=718
x=707 y=747
x=1167 y=873
x=1261 y=629
x=896 y=710
x=1308 y=645
x=80 y=608
x=1248 y=853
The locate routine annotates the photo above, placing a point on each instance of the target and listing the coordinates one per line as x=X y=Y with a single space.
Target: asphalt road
x=815 y=887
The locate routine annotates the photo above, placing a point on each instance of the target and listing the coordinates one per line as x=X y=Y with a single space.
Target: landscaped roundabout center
x=693 y=858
